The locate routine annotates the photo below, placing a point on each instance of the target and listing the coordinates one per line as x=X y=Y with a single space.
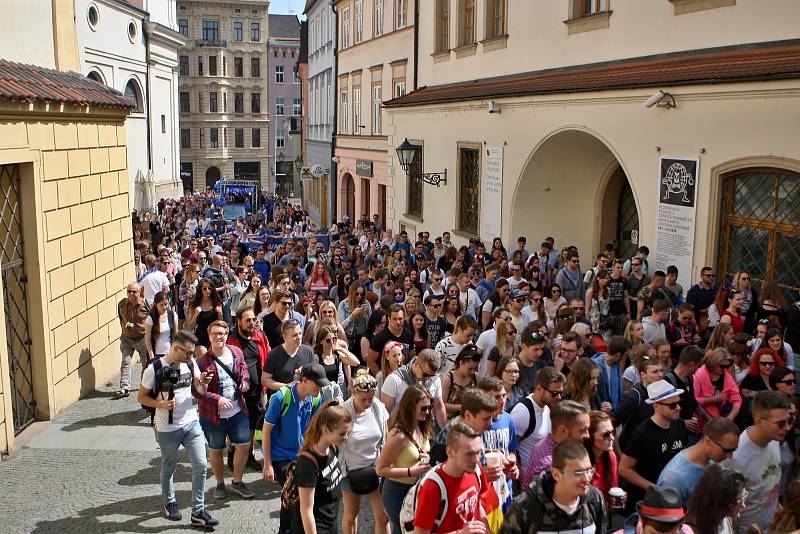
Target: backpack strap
x=171 y=322
x=437 y=479
x=528 y=403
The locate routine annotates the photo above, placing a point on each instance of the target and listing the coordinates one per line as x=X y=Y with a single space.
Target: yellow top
x=408 y=457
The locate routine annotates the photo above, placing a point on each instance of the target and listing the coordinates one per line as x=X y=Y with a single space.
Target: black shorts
x=255 y=415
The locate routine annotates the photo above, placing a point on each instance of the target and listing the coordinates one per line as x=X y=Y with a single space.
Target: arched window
x=96 y=76
x=133 y=92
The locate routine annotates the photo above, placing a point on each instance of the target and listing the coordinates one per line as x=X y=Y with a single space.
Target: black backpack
x=157 y=385
x=528 y=403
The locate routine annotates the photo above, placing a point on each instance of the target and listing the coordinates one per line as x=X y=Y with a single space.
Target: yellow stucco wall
x=78 y=250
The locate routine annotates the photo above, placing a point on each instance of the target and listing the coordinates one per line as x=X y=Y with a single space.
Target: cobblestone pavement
x=95 y=469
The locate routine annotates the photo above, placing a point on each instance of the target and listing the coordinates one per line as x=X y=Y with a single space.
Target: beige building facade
x=551 y=96
x=65 y=237
x=223 y=104
x=375 y=64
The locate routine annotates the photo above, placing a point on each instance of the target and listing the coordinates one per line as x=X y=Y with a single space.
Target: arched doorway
x=761 y=226
x=212 y=176
x=574 y=189
x=349 y=196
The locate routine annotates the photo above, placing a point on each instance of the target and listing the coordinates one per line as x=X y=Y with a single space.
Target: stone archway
x=571 y=189
x=212 y=176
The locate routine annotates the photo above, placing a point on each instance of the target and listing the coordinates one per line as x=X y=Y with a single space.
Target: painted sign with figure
x=492 y=201
x=675 y=215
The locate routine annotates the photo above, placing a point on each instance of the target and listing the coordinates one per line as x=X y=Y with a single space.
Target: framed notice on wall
x=675 y=215
x=492 y=193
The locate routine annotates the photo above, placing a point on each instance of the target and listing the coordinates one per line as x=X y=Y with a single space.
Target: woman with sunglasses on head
x=733 y=315
x=406 y=455
x=603 y=452
x=206 y=307
x=716 y=501
x=462 y=376
x=359 y=453
x=337 y=361
x=773 y=338
x=715 y=388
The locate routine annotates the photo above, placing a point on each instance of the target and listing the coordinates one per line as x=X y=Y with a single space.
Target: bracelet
x=408 y=472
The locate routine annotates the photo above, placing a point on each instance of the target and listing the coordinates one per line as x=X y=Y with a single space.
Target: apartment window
x=378 y=23
x=237 y=31
x=343 y=123
x=183 y=102
x=255 y=67
x=467 y=22
x=238 y=102
x=238 y=67
x=238 y=137
x=279 y=107
x=296 y=107
x=214 y=137
x=280 y=139
x=224 y=102
x=200 y=102
x=212 y=102
x=255 y=102
x=358 y=22
x=199 y=65
x=357 y=111
x=399 y=89
x=376 y=110
x=278 y=73
x=588 y=7
x=496 y=22
x=346 y=27
x=210 y=30
x=224 y=66
x=255 y=140
x=255 y=31
x=212 y=65
x=183 y=27
x=186 y=138
x=400 y=14
x=469 y=189
x=183 y=62
x=295 y=77
x=442 y=25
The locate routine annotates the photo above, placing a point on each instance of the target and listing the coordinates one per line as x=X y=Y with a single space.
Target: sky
x=285 y=7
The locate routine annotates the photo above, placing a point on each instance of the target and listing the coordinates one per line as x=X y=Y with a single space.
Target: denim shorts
x=237 y=427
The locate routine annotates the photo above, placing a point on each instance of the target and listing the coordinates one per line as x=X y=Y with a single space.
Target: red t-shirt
x=463 y=500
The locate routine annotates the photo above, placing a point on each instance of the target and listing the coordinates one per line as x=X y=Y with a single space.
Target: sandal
x=121 y=394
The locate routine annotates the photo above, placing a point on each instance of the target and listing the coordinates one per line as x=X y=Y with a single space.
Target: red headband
x=672 y=513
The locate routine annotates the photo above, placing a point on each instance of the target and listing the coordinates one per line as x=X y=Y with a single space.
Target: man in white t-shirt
x=172 y=379
x=469 y=299
x=154 y=280
x=548 y=391
x=450 y=346
x=421 y=370
x=758 y=457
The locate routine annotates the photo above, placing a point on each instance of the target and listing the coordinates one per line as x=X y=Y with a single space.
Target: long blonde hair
x=503 y=327
x=331 y=416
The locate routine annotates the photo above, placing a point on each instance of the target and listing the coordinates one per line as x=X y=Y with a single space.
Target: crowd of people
x=464 y=389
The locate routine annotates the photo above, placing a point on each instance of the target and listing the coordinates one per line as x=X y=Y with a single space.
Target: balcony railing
x=218 y=43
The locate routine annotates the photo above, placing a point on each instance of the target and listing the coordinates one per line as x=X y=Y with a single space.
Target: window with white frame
x=496 y=23
x=279 y=105
x=296 y=107
x=346 y=27
x=400 y=14
x=343 y=122
x=378 y=23
x=442 y=25
x=357 y=111
x=376 y=110
x=280 y=139
x=399 y=88
x=278 y=73
x=358 y=22
x=295 y=77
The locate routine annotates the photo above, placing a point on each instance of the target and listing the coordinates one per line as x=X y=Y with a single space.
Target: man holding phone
x=183 y=428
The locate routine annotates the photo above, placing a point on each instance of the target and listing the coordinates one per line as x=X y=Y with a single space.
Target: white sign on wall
x=492 y=201
x=675 y=216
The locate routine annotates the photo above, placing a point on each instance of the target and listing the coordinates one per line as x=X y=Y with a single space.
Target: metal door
x=627 y=223
x=15 y=301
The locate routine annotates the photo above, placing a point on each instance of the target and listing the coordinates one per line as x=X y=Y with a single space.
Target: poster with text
x=675 y=216
x=492 y=193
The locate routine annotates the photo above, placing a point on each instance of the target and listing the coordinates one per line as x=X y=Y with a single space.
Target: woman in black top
x=334 y=357
x=318 y=472
x=206 y=308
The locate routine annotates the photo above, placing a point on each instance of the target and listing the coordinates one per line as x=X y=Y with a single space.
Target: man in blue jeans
x=289 y=412
x=177 y=422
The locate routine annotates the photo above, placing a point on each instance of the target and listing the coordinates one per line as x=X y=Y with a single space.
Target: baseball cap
x=316 y=373
x=516 y=294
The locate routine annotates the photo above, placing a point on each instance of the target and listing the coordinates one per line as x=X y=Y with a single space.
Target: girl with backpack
x=360 y=451
x=159 y=327
x=318 y=473
x=405 y=457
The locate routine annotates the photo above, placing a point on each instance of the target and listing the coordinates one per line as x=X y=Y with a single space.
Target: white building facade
x=320 y=98
x=133 y=47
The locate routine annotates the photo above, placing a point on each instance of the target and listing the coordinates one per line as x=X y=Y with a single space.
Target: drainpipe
x=146 y=29
x=333 y=177
x=416 y=42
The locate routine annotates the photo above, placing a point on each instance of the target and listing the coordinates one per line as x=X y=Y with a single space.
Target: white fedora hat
x=660 y=390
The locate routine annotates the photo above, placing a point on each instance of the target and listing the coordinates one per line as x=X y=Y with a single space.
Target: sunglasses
x=724 y=366
x=608 y=435
x=286 y=303
x=726 y=450
x=783 y=423
x=558 y=394
x=425 y=408
x=330 y=340
x=435 y=305
x=789 y=382
x=670 y=405
x=766 y=364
